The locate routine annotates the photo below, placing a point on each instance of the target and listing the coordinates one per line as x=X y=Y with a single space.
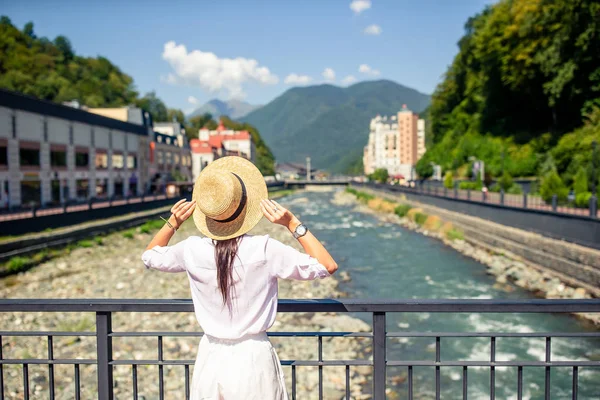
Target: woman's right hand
x=277 y=214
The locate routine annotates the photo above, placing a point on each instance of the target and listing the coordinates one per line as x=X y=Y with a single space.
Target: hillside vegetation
x=51 y=70
x=328 y=123
x=525 y=84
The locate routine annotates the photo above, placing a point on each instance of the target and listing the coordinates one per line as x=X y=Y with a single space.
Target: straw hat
x=228 y=194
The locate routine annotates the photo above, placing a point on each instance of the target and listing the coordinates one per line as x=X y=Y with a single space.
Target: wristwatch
x=300 y=231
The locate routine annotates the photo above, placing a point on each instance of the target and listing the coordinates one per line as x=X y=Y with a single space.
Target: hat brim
x=256 y=190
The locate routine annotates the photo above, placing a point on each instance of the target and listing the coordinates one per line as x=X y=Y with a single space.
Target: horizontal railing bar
x=316 y=305
x=271 y=334
x=301 y=363
x=419 y=363
x=45 y=333
x=492 y=334
x=46 y=361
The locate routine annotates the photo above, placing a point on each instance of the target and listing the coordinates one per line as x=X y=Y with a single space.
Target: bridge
x=107 y=336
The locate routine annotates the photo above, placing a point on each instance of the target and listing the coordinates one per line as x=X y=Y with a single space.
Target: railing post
x=455 y=190
x=554 y=202
x=468 y=194
x=502 y=196
x=379 y=361
x=593 y=206
x=104 y=355
x=445 y=191
x=525 y=200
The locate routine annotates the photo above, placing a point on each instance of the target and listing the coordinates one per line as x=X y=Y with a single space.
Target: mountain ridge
x=232 y=108
x=329 y=123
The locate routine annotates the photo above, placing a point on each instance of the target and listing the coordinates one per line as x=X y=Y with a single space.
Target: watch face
x=301 y=230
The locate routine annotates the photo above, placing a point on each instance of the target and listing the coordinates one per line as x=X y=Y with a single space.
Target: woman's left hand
x=181 y=211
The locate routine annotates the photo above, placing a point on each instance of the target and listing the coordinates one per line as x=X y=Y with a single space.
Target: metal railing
x=105 y=359
x=524 y=200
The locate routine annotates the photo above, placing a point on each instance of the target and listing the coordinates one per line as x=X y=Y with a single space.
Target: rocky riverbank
x=114 y=270
x=509 y=270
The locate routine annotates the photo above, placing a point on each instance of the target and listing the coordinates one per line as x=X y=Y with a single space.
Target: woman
x=233 y=278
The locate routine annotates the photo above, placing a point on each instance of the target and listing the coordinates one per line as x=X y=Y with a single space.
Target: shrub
x=580 y=184
x=128 y=234
x=505 y=181
x=454 y=234
x=432 y=223
x=85 y=243
x=470 y=185
x=420 y=218
x=448 y=180
x=553 y=185
x=495 y=188
x=99 y=241
x=412 y=212
x=380 y=175
x=515 y=189
x=16 y=264
x=402 y=209
x=582 y=200
x=351 y=191
x=364 y=197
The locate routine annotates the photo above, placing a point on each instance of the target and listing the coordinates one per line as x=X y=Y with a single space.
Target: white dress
x=235 y=358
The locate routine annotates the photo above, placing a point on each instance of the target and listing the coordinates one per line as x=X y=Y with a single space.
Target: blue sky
x=192 y=51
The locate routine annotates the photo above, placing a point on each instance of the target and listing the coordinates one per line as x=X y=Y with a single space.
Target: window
x=58 y=158
x=131 y=161
x=3 y=155
x=30 y=192
x=82 y=188
x=168 y=157
x=159 y=157
x=101 y=161
x=176 y=158
x=117 y=161
x=29 y=157
x=82 y=159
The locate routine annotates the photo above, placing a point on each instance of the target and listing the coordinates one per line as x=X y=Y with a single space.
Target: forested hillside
x=51 y=70
x=525 y=84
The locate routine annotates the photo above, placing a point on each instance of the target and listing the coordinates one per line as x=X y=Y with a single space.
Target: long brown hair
x=225 y=252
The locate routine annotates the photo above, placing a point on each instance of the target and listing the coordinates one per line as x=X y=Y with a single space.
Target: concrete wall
x=572 y=263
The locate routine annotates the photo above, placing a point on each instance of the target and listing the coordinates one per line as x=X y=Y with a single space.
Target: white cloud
x=372 y=30
x=295 y=79
x=214 y=74
x=193 y=100
x=359 y=6
x=329 y=74
x=365 y=69
x=348 y=80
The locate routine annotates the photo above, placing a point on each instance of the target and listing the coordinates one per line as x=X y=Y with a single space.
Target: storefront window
x=117 y=161
x=29 y=157
x=131 y=162
x=101 y=188
x=82 y=159
x=82 y=189
x=3 y=155
x=101 y=161
x=30 y=192
x=58 y=158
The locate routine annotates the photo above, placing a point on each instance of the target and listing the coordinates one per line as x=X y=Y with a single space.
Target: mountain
x=232 y=108
x=329 y=123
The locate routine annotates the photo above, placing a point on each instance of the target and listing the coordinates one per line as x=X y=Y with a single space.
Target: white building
x=421 y=138
x=51 y=153
x=212 y=144
x=393 y=144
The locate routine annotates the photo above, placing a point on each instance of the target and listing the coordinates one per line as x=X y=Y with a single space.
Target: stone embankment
x=114 y=270
x=509 y=269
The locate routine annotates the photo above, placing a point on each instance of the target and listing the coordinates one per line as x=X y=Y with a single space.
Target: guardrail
x=104 y=334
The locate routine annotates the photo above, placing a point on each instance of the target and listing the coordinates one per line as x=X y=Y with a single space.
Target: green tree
x=379 y=175
x=176 y=115
x=552 y=185
x=424 y=168
x=505 y=182
x=448 y=180
x=580 y=183
x=155 y=106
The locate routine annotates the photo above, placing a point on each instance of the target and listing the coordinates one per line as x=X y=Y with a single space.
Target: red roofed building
x=221 y=142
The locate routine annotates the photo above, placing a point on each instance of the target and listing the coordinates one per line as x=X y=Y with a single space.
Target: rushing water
x=388 y=261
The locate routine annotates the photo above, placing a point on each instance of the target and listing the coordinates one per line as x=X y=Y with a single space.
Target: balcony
x=379 y=360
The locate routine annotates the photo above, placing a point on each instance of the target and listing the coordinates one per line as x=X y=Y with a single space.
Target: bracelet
x=169 y=224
